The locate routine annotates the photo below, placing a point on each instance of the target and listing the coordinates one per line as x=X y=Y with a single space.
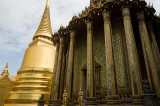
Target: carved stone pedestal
x=149 y=100
x=41 y=103
x=91 y=102
x=50 y=103
x=55 y=103
x=158 y=100
x=113 y=100
x=149 y=96
x=72 y=103
x=137 y=100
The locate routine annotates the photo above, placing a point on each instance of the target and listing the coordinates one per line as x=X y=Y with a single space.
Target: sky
x=19 y=20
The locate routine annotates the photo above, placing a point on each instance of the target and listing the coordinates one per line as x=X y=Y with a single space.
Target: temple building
x=6 y=83
x=107 y=55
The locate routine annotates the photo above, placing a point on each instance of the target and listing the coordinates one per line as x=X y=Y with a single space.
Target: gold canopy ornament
x=44 y=28
x=5 y=72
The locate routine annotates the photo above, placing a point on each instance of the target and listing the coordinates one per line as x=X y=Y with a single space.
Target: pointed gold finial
x=44 y=28
x=5 y=72
x=48 y=3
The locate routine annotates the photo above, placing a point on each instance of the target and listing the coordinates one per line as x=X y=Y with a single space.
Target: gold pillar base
x=137 y=100
x=23 y=105
x=91 y=101
x=158 y=100
x=113 y=100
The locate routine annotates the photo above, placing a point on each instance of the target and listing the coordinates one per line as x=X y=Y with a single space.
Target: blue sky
x=19 y=20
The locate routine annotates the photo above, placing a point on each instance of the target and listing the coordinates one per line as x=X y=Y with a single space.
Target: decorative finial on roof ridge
x=48 y=3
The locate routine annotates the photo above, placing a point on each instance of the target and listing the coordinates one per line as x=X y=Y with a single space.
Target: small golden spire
x=5 y=72
x=48 y=3
x=44 y=28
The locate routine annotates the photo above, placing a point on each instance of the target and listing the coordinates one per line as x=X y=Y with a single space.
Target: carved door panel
x=96 y=77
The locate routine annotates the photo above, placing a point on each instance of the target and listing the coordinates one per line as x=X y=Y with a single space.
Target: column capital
x=89 y=21
x=61 y=40
x=72 y=33
x=125 y=11
x=140 y=16
x=106 y=15
x=89 y=25
x=106 y=12
x=55 y=39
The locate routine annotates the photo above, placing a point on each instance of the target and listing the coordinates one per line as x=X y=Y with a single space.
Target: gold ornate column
x=134 y=67
x=70 y=64
x=111 y=77
x=154 y=45
x=62 y=76
x=147 y=51
x=56 y=42
x=57 y=78
x=90 y=85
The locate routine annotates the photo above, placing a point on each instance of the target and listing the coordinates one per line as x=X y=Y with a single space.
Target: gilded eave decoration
x=97 y=6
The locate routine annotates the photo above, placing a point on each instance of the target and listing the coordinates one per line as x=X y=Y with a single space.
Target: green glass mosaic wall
x=80 y=61
x=99 y=54
x=118 y=48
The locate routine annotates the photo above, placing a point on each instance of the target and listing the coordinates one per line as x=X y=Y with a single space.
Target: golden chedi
x=6 y=83
x=34 y=76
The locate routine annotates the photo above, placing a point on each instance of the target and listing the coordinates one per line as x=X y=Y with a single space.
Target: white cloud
x=19 y=20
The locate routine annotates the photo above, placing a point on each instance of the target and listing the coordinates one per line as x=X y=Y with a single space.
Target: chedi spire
x=5 y=72
x=44 y=28
x=34 y=76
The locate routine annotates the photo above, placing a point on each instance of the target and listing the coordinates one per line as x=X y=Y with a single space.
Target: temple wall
x=118 y=51
x=80 y=61
x=80 y=55
x=99 y=54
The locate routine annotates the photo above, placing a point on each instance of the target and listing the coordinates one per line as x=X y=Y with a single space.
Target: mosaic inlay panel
x=80 y=60
x=99 y=54
x=117 y=41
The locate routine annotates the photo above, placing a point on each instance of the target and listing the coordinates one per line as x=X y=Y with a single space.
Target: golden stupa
x=5 y=71
x=34 y=76
x=6 y=83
